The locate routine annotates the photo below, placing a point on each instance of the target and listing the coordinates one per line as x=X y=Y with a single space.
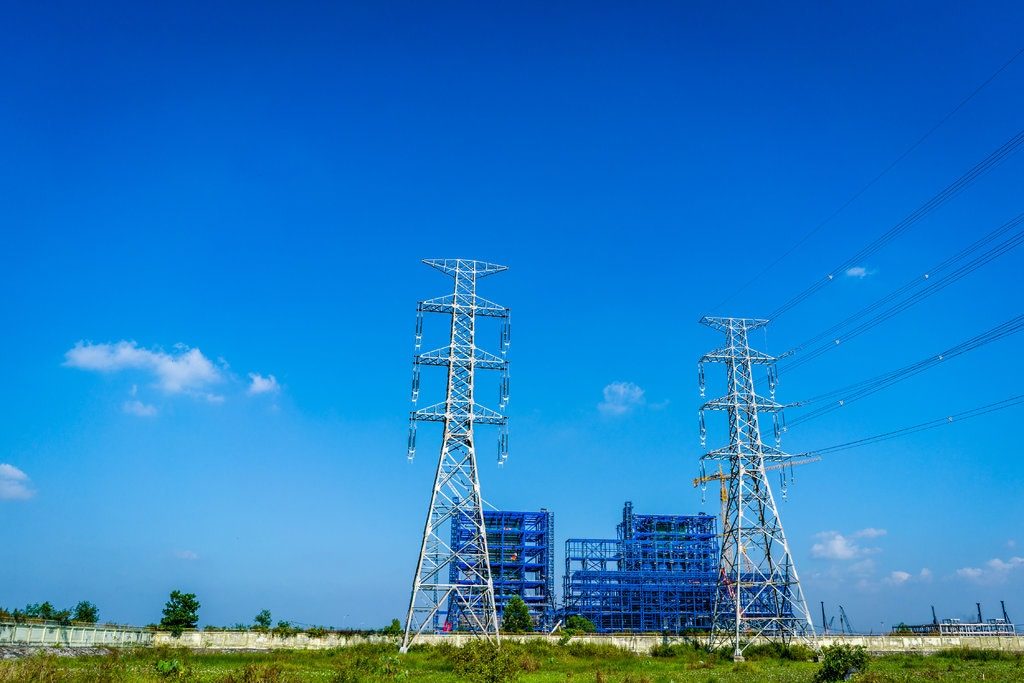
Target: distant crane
x=721 y=477
x=826 y=622
x=844 y=622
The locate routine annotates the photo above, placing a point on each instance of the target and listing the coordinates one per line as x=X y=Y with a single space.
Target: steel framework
x=457 y=578
x=521 y=549
x=658 y=575
x=759 y=593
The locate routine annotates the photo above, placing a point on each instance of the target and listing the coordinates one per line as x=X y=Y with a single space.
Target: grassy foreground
x=528 y=663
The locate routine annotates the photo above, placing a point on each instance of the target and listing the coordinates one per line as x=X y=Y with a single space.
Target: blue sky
x=196 y=196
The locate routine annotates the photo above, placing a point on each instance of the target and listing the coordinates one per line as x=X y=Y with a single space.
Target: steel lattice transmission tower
x=758 y=593
x=457 y=580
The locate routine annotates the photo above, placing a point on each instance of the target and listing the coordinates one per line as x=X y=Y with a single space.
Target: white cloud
x=870 y=532
x=925 y=575
x=258 y=384
x=969 y=573
x=187 y=555
x=898 y=577
x=14 y=483
x=138 y=408
x=620 y=398
x=186 y=370
x=995 y=570
x=833 y=545
x=857 y=272
x=1011 y=543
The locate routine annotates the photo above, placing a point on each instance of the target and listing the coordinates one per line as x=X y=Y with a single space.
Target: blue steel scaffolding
x=521 y=550
x=658 y=575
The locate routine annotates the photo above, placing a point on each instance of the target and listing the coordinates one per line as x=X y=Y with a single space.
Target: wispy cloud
x=14 y=484
x=994 y=571
x=870 y=532
x=832 y=545
x=859 y=272
x=188 y=555
x=258 y=384
x=186 y=370
x=138 y=408
x=621 y=398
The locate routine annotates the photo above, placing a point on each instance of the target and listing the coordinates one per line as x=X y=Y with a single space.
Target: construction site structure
x=658 y=575
x=521 y=549
x=956 y=627
x=457 y=579
x=759 y=593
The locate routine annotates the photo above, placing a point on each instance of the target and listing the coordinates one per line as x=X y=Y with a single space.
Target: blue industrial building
x=659 y=575
x=520 y=546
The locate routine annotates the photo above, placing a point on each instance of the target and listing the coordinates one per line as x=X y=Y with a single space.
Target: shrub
x=316 y=632
x=694 y=653
x=793 y=652
x=482 y=661
x=839 y=661
x=392 y=629
x=284 y=629
x=169 y=668
x=370 y=661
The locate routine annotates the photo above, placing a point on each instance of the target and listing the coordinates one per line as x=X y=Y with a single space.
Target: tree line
x=84 y=612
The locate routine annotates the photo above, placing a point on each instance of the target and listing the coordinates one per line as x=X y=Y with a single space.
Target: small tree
x=262 y=621
x=180 y=612
x=516 y=617
x=85 y=612
x=579 y=624
x=393 y=629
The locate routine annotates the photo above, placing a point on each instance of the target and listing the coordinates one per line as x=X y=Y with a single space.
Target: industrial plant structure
x=658 y=575
x=521 y=548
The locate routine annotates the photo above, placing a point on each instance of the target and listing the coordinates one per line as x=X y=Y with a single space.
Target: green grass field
x=531 y=663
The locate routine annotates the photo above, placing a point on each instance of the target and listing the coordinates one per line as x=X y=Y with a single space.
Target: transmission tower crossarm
x=480 y=307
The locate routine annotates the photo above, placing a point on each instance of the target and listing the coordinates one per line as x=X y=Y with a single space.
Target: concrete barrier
x=55 y=635
x=52 y=635
x=639 y=643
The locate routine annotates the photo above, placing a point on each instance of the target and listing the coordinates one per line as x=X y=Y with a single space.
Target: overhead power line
x=952 y=190
x=842 y=397
x=856 y=195
x=931 y=424
x=929 y=285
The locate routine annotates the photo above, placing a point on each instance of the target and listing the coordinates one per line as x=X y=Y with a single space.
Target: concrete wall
x=92 y=636
x=73 y=636
x=642 y=644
